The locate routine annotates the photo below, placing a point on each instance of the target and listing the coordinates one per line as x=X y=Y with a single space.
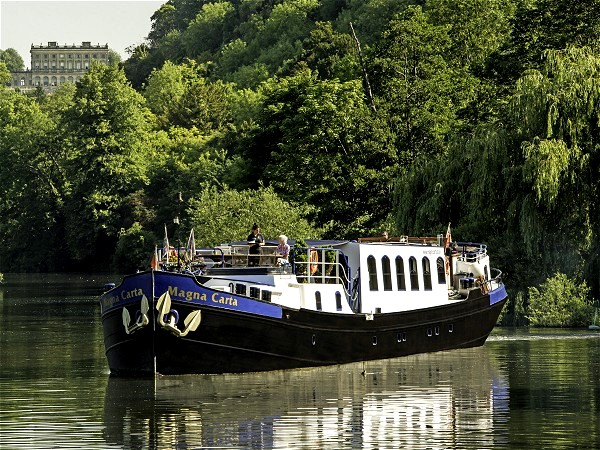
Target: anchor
x=167 y=317
x=142 y=319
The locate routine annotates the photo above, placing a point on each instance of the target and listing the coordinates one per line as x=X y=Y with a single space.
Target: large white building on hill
x=54 y=64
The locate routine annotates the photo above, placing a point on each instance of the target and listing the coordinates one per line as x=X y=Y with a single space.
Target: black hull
x=229 y=341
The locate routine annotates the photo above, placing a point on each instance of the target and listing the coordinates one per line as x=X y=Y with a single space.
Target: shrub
x=559 y=302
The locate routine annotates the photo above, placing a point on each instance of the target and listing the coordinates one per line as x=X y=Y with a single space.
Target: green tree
x=4 y=75
x=543 y=25
x=134 y=249
x=331 y=54
x=422 y=92
x=108 y=128
x=320 y=143
x=477 y=28
x=181 y=96
x=12 y=59
x=211 y=27
x=114 y=59
x=226 y=215
x=32 y=187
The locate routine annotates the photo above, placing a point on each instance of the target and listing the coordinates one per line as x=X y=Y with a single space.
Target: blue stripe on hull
x=185 y=289
x=497 y=295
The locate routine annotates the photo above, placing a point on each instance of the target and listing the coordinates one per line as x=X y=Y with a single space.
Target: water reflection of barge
x=429 y=401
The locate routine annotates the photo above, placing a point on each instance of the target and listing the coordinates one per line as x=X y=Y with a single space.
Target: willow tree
x=558 y=109
x=529 y=184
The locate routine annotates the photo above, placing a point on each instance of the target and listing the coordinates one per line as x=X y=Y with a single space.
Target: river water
x=522 y=389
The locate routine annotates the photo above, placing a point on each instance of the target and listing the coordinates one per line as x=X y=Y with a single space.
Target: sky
x=118 y=23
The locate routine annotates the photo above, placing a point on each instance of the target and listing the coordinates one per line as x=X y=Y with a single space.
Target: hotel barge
x=335 y=302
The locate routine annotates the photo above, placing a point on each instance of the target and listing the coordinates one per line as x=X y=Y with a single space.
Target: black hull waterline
x=233 y=334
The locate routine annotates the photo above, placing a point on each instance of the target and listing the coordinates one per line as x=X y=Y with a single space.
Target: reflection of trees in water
x=398 y=402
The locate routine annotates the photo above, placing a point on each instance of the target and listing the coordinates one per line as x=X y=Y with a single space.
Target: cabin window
x=387 y=273
x=255 y=292
x=240 y=289
x=318 y=301
x=338 y=301
x=426 y=273
x=372 y=268
x=400 y=274
x=401 y=337
x=266 y=296
x=414 y=274
x=441 y=270
x=485 y=272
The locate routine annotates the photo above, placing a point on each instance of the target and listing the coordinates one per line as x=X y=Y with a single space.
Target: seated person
x=255 y=241
x=283 y=250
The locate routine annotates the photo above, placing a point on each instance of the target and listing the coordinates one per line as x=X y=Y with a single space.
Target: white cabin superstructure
x=365 y=277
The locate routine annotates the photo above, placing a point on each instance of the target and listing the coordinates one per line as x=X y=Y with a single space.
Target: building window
x=372 y=268
x=22 y=81
x=441 y=271
x=400 y=279
x=387 y=273
x=414 y=274
x=426 y=273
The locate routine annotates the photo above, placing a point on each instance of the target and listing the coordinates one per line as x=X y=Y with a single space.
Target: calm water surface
x=523 y=389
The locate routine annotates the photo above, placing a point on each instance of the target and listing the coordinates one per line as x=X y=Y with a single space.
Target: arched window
x=426 y=273
x=387 y=273
x=372 y=268
x=414 y=273
x=400 y=274
x=441 y=270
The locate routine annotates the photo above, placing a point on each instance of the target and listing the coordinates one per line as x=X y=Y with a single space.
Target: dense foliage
x=322 y=118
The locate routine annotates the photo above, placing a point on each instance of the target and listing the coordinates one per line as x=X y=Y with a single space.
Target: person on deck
x=283 y=250
x=255 y=241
